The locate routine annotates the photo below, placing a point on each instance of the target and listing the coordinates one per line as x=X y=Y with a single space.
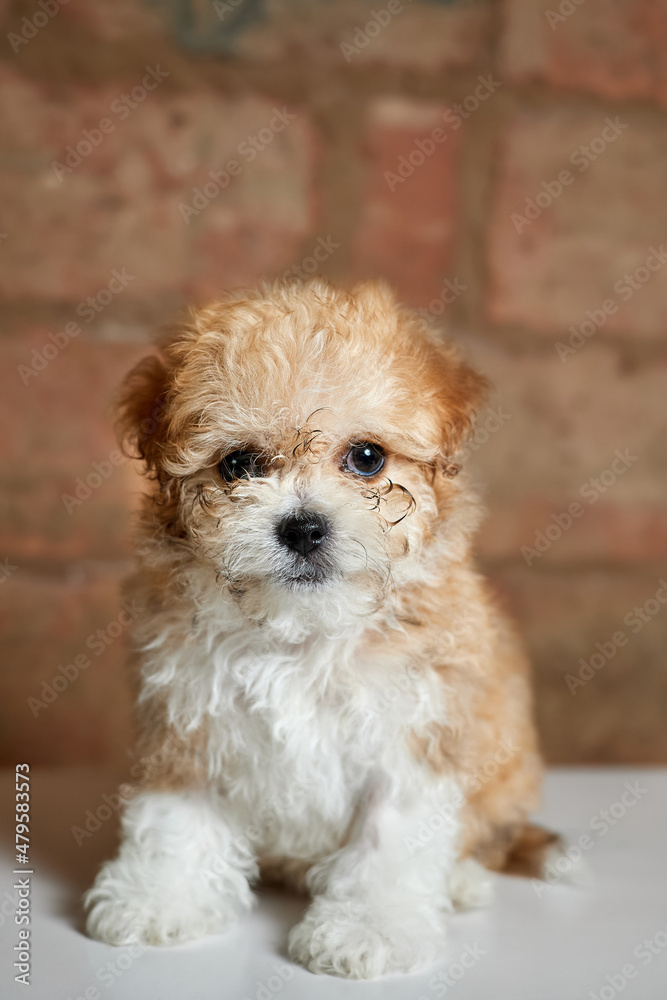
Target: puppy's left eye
x=364 y=459
x=241 y=465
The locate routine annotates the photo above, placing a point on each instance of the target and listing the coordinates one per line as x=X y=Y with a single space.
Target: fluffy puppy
x=327 y=693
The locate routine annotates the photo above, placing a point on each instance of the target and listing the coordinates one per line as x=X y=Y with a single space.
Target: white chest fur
x=295 y=731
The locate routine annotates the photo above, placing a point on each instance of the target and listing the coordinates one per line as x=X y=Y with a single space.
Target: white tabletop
x=561 y=942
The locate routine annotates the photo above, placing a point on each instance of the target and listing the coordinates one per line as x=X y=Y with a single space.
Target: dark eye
x=364 y=459
x=241 y=465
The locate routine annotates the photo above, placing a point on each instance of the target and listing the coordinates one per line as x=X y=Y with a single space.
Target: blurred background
x=502 y=164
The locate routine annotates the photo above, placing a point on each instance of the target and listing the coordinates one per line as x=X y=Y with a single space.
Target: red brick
x=45 y=624
x=605 y=533
x=407 y=228
x=561 y=427
x=120 y=206
x=601 y=227
x=258 y=229
x=113 y=20
x=61 y=424
x=618 y=715
x=607 y=47
x=422 y=36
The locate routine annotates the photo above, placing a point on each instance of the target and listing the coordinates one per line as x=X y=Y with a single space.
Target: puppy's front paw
x=470 y=885
x=364 y=941
x=154 y=911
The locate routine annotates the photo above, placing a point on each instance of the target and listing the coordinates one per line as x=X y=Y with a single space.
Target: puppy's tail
x=532 y=848
x=538 y=853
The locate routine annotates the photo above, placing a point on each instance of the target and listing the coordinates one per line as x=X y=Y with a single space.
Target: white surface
x=560 y=944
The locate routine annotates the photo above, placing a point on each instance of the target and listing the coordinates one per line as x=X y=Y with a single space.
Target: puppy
x=328 y=694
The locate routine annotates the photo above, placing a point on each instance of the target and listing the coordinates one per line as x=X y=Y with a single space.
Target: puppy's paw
x=364 y=941
x=155 y=911
x=470 y=885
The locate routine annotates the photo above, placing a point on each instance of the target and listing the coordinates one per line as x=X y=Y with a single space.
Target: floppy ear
x=460 y=394
x=141 y=408
x=467 y=392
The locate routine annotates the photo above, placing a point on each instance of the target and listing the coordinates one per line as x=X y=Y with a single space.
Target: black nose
x=303 y=532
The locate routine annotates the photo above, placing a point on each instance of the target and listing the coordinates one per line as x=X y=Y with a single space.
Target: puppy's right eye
x=241 y=465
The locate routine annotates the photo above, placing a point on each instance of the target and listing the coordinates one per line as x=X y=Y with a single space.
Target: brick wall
x=504 y=165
